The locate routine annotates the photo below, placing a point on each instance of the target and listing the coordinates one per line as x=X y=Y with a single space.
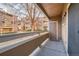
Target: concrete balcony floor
x=52 y=48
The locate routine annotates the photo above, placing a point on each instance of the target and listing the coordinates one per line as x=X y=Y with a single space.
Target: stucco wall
x=53 y=30
x=65 y=26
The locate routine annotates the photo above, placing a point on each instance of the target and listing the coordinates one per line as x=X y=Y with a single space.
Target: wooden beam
x=41 y=7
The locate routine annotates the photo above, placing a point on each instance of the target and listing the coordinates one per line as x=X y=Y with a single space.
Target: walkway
x=52 y=48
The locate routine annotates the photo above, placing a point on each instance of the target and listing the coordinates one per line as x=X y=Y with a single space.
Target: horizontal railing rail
x=13 y=36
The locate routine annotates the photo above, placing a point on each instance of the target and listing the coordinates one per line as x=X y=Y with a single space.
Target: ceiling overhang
x=52 y=10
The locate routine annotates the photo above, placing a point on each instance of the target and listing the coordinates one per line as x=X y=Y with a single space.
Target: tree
x=33 y=14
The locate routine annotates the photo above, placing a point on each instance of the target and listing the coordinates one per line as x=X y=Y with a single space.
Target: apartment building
x=11 y=23
x=6 y=22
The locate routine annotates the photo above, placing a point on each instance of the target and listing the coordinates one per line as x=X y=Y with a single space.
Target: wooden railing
x=24 y=46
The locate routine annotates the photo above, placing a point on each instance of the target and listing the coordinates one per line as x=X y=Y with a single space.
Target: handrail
x=13 y=36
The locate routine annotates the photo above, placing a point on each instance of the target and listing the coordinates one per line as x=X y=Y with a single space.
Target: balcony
x=57 y=37
x=32 y=45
